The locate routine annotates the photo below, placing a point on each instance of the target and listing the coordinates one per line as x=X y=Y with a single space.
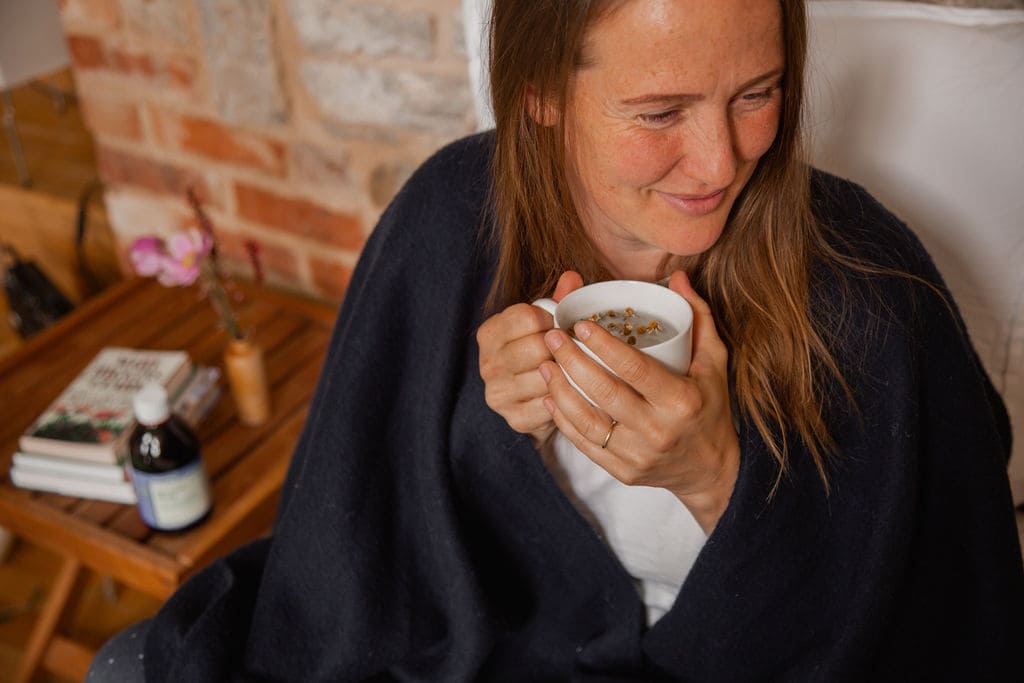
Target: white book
x=75 y=469
x=40 y=480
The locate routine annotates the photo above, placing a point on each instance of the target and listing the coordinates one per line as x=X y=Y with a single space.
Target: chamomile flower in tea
x=634 y=334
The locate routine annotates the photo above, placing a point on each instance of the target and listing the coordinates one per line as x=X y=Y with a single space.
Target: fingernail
x=553 y=339
x=582 y=330
x=545 y=372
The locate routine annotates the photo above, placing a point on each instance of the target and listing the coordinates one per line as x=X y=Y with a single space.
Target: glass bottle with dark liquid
x=167 y=466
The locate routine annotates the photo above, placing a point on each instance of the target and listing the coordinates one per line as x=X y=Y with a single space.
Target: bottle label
x=172 y=500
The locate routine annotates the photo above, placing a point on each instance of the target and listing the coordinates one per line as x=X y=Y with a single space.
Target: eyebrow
x=681 y=98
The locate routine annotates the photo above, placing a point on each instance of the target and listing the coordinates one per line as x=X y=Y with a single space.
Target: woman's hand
x=672 y=431
x=511 y=350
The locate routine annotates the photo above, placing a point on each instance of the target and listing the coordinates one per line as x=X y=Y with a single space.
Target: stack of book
x=79 y=445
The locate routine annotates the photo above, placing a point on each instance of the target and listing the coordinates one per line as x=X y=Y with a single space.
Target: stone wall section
x=296 y=121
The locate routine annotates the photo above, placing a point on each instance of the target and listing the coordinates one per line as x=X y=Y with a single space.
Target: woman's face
x=667 y=117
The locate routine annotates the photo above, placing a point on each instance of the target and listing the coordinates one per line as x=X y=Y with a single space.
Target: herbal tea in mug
x=624 y=307
x=634 y=327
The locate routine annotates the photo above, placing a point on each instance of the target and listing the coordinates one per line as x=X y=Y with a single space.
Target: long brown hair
x=755 y=277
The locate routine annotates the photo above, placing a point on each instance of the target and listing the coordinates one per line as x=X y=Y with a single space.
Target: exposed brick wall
x=295 y=120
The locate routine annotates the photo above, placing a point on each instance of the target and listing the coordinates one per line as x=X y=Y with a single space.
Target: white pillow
x=923 y=105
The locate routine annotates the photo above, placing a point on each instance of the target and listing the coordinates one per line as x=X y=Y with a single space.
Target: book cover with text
x=92 y=417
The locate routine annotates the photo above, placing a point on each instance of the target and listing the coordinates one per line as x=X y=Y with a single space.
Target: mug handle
x=547 y=304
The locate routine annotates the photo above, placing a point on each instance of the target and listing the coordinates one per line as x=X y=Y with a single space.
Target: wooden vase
x=243 y=363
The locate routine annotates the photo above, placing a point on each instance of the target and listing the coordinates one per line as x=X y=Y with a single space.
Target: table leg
x=6 y=543
x=54 y=609
x=12 y=136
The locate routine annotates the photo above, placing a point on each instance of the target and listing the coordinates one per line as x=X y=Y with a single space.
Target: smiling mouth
x=694 y=205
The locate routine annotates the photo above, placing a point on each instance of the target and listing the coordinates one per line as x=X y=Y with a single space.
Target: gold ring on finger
x=608 y=436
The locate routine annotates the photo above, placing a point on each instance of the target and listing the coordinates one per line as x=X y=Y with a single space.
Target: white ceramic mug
x=657 y=300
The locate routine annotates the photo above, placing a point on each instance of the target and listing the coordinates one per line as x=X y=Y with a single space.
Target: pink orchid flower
x=147 y=256
x=178 y=261
x=185 y=251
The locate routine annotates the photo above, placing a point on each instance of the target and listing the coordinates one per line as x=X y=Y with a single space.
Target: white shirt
x=653 y=535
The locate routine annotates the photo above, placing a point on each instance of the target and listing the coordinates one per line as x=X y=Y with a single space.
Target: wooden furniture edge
x=67 y=658
x=76 y=318
x=105 y=552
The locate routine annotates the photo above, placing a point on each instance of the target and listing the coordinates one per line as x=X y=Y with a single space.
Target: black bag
x=35 y=301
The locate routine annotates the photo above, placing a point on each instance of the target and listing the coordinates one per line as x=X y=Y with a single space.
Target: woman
x=834 y=461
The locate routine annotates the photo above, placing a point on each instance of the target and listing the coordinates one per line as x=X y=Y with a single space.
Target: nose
x=708 y=155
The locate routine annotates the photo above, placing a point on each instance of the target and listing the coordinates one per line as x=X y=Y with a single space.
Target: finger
x=602 y=386
x=523 y=355
x=643 y=392
x=530 y=416
x=509 y=390
x=705 y=335
x=648 y=381
x=569 y=282
x=516 y=321
x=576 y=418
x=589 y=443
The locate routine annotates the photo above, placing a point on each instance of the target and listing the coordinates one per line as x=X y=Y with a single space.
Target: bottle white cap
x=150 y=404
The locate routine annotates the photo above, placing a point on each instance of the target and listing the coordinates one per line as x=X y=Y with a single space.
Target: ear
x=544 y=113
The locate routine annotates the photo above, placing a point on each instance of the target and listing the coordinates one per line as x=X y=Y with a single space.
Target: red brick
x=299 y=217
x=110 y=117
x=330 y=278
x=180 y=71
x=223 y=143
x=274 y=259
x=121 y=168
x=87 y=52
x=133 y=63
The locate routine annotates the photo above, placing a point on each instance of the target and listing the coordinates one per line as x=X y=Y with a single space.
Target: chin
x=687 y=241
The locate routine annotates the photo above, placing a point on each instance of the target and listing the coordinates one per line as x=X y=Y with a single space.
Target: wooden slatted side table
x=246 y=465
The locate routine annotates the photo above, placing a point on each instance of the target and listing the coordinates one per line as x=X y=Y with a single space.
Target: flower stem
x=220 y=300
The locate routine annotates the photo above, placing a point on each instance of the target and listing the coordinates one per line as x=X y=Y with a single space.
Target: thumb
x=568 y=283
x=705 y=336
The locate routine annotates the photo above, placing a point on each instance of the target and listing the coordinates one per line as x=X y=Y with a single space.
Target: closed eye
x=659 y=117
x=758 y=98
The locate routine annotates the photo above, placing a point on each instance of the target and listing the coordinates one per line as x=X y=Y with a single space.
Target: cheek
x=756 y=134
x=634 y=160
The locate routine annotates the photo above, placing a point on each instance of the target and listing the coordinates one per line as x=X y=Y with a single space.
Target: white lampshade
x=31 y=41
